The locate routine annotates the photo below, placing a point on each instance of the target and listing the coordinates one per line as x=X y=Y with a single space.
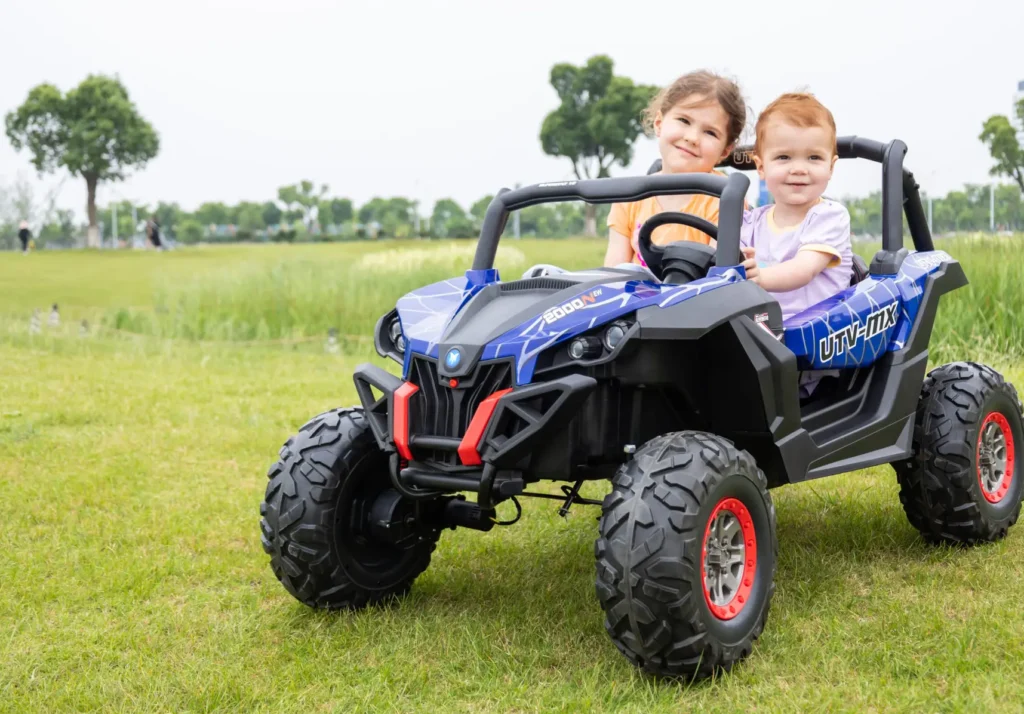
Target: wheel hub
x=994 y=457
x=729 y=559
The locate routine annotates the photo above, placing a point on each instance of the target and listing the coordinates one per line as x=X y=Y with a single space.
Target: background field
x=132 y=464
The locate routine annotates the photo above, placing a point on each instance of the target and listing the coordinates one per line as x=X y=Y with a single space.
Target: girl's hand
x=750 y=265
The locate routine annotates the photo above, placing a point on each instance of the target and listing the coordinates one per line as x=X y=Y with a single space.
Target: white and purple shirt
x=825 y=229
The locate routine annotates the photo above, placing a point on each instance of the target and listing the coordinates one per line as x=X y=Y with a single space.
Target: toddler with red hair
x=798 y=249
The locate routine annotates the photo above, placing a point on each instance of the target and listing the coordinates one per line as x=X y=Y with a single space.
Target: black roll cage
x=899 y=195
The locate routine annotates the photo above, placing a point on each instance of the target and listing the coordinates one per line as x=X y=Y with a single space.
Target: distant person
x=24 y=235
x=153 y=231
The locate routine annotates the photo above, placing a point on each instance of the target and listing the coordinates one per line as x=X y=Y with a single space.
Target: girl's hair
x=801 y=109
x=711 y=87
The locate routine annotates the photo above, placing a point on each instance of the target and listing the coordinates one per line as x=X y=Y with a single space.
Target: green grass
x=132 y=579
x=295 y=293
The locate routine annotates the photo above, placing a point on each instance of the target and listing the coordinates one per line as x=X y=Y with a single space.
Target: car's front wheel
x=686 y=555
x=337 y=534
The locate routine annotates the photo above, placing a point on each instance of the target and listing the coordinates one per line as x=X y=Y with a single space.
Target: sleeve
x=829 y=233
x=620 y=219
x=747 y=230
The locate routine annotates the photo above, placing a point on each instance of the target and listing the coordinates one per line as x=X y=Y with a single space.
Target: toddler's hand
x=750 y=265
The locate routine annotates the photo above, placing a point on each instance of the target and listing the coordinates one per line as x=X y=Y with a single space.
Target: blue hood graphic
x=426 y=313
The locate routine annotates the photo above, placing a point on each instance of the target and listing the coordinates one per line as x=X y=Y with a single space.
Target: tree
x=324 y=215
x=214 y=213
x=479 y=209
x=94 y=131
x=597 y=122
x=394 y=215
x=302 y=198
x=168 y=215
x=190 y=231
x=449 y=220
x=1000 y=136
x=271 y=214
x=250 y=218
x=341 y=210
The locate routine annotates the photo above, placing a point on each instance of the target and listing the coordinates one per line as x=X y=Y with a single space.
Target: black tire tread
x=938 y=484
x=297 y=514
x=651 y=521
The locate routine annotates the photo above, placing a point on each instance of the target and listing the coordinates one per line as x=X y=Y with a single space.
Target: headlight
x=585 y=348
x=614 y=335
x=397 y=338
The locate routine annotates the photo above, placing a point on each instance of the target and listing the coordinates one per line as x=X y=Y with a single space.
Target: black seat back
x=860 y=270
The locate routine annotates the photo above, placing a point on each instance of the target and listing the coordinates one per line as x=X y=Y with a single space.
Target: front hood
x=480 y=318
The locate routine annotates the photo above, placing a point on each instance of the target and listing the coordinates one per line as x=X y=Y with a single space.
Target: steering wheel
x=657 y=257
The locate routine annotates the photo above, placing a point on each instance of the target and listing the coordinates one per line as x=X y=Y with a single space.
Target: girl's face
x=692 y=136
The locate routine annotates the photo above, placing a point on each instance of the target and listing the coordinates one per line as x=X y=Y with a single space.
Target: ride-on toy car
x=682 y=386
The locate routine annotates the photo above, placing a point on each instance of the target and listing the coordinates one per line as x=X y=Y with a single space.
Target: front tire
x=315 y=512
x=686 y=556
x=964 y=482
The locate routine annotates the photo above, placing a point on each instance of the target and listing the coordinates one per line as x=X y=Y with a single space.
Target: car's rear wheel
x=964 y=481
x=686 y=556
x=337 y=534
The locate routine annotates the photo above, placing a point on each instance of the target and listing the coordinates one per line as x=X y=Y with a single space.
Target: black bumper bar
x=520 y=420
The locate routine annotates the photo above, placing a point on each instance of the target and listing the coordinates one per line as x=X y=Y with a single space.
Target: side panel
x=859 y=325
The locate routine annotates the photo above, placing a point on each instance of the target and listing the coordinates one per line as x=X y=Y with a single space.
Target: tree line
x=95 y=132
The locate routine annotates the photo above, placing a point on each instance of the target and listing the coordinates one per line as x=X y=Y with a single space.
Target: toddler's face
x=796 y=163
x=692 y=136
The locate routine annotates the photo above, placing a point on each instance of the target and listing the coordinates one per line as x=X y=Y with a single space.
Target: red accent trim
x=1004 y=485
x=401 y=420
x=739 y=600
x=468 y=449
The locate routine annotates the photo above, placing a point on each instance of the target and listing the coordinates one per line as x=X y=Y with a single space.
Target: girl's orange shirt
x=626 y=219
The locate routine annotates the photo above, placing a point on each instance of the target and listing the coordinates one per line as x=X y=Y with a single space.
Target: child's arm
x=620 y=230
x=824 y=243
x=794 y=273
x=619 y=250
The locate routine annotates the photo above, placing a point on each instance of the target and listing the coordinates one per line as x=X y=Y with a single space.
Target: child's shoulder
x=756 y=215
x=828 y=208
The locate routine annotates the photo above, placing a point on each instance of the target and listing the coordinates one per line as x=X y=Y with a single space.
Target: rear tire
x=687 y=520
x=315 y=504
x=963 y=484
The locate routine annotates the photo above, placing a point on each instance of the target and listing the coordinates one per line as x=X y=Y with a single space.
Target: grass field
x=132 y=465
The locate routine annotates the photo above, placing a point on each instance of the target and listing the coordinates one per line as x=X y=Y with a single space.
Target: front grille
x=444 y=411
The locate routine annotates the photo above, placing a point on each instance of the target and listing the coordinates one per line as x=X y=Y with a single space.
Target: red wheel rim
x=728 y=560
x=994 y=457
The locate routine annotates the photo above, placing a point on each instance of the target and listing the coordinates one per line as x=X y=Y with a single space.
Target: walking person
x=153 y=231
x=24 y=235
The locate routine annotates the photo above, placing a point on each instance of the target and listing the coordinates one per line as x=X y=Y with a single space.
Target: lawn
x=133 y=461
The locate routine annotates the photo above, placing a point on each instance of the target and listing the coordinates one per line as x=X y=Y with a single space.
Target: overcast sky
x=434 y=99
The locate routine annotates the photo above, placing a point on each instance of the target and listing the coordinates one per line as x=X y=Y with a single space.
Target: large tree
x=94 y=131
x=597 y=121
x=1000 y=136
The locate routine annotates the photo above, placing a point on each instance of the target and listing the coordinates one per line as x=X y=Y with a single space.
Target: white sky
x=434 y=99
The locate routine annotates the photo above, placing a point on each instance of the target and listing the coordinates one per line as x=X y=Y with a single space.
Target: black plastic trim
x=378 y=411
x=731 y=190
x=382 y=337
x=569 y=392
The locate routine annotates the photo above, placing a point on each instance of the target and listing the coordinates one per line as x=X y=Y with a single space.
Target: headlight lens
x=584 y=348
x=614 y=335
x=397 y=338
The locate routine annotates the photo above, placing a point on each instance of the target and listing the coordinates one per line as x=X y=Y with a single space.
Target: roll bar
x=730 y=190
x=899 y=194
